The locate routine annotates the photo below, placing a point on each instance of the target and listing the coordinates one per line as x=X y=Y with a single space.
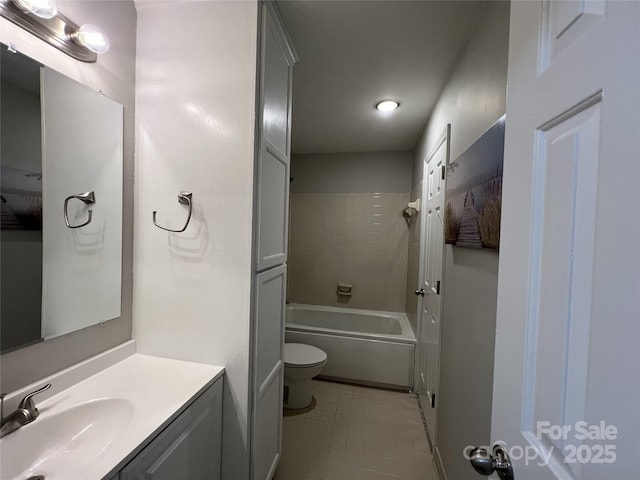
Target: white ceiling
x=355 y=53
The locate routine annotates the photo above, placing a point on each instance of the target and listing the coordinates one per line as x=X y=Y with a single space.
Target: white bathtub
x=362 y=346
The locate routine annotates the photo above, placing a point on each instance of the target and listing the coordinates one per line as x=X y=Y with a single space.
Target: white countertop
x=154 y=391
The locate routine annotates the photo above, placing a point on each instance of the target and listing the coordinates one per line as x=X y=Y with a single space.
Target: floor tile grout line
x=340 y=441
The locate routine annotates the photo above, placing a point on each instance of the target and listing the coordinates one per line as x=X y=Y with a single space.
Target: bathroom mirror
x=61 y=147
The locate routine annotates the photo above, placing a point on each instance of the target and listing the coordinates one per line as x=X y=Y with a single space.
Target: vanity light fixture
x=387 y=105
x=40 y=8
x=41 y=18
x=91 y=37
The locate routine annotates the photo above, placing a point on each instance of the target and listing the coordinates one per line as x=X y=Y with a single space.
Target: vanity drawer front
x=188 y=448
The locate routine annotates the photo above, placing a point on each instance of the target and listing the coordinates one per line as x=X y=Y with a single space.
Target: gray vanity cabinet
x=188 y=448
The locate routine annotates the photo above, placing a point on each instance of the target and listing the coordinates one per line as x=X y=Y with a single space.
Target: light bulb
x=387 y=105
x=40 y=8
x=93 y=38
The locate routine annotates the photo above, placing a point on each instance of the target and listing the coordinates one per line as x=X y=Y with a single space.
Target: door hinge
x=438 y=287
x=433 y=400
x=444 y=171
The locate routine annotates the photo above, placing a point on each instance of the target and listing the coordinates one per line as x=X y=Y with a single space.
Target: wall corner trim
x=437 y=462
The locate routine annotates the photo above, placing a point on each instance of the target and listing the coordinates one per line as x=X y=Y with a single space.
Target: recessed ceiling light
x=387 y=105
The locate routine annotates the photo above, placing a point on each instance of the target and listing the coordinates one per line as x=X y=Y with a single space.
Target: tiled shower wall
x=356 y=238
x=413 y=265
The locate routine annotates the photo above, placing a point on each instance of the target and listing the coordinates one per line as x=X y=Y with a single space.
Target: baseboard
x=364 y=383
x=437 y=462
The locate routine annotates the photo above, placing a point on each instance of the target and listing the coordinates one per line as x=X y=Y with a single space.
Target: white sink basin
x=97 y=423
x=72 y=438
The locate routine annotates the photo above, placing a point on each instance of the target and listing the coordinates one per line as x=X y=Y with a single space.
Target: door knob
x=485 y=463
x=420 y=292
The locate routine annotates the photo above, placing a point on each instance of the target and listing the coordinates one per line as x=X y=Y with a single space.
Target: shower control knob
x=420 y=292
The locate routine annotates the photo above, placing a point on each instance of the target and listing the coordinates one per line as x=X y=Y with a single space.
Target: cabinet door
x=273 y=157
x=268 y=371
x=189 y=448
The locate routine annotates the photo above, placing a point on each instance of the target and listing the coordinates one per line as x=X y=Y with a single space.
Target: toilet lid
x=301 y=355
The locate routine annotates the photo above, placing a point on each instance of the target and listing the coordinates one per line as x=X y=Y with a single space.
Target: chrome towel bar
x=184 y=198
x=88 y=198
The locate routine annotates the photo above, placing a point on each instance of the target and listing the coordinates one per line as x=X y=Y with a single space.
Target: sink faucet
x=25 y=413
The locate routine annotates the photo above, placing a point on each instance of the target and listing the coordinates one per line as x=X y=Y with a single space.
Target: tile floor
x=356 y=433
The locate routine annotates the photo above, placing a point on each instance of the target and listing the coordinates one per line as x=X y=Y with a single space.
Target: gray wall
x=473 y=99
x=114 y=74
x=381 y=172
x=347 y=226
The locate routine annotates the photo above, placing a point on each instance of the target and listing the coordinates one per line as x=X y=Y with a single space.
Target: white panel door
x=431 y=253
x=274 y=156
x=568 y=329
x=268 y=335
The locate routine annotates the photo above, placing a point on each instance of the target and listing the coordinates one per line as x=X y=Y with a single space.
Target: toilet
x=301 y=363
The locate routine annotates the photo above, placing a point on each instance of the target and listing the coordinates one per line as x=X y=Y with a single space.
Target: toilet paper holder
x=344 y=289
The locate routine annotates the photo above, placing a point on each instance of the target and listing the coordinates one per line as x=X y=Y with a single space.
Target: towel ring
x=184 y=198
x=88 y=198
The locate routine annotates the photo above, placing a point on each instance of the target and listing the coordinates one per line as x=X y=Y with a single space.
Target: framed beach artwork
x=473 y=195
